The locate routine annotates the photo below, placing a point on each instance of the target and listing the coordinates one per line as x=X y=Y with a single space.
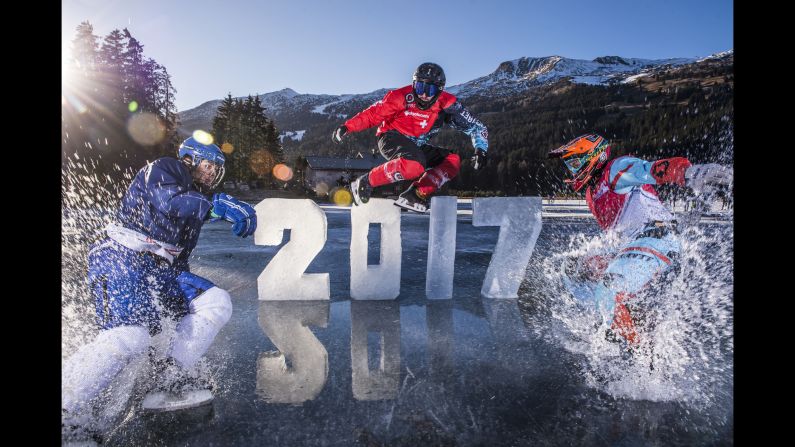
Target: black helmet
x=429 y=74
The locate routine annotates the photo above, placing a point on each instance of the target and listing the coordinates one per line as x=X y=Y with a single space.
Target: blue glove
x=241 y=214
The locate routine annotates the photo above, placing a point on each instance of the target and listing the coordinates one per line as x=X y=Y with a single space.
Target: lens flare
x=133 y=106
x=260 y=161
x=227 y=148
x=283 y=172
x=74 y=102
x=321 y=189
x=202 y=137
x=341 y=197
x=146 y=129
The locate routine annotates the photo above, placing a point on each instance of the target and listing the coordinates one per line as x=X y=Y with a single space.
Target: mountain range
x=298 y=116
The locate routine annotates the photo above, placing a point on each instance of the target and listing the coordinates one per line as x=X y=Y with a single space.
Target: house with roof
x=325 y=173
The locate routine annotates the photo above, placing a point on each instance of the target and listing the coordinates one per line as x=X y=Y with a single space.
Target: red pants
x=407 y=161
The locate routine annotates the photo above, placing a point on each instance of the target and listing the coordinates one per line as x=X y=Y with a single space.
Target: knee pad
x=214 y=304
x=455 y=163
x=395 y=171
x=437 y=176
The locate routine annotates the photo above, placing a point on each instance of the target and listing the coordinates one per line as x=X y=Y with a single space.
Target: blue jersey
x=163 y=203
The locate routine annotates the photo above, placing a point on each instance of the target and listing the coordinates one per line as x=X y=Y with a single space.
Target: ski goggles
x=575 y=163
x=426 y=88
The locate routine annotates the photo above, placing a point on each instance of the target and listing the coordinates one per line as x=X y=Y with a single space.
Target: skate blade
x=162 y=401
x=403 y=203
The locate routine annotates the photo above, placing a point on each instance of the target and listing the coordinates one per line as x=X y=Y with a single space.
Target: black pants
x=392 y=144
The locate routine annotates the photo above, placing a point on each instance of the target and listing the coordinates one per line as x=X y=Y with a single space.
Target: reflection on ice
x=382 y=318
x=286 y=325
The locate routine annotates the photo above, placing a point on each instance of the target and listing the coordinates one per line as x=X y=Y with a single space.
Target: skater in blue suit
x=138 y=274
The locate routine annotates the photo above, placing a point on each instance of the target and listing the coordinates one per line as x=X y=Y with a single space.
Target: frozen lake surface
x=466 y=371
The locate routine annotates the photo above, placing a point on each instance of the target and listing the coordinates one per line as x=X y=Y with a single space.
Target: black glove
x=479 y=159
x=338 y=134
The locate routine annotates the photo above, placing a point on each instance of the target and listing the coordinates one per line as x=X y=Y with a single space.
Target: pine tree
x=84 y=49
x=112 y=74
x=254 y=138
x=135 y=74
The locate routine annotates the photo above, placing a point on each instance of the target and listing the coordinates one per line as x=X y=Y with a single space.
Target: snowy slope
x=520 y=74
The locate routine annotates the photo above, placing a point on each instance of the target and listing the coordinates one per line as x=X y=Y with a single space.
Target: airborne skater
x=407 y=118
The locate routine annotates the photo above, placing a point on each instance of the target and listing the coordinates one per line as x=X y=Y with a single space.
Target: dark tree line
x=248 y=138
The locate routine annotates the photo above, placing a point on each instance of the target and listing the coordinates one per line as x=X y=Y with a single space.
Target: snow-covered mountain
x=293 y=111
x=520 y=74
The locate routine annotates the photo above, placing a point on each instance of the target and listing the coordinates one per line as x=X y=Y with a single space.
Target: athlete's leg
x=635 y=266
x=210 y=308
x=444 y=166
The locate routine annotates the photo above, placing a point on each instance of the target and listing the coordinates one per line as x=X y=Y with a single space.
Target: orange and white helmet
x=583 y=156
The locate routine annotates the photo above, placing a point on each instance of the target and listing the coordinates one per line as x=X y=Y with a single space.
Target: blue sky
x=211 y=47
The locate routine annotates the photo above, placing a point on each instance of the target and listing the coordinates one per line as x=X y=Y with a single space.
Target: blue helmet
x=196 y=152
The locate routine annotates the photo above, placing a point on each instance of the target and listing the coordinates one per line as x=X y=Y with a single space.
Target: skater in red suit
x=407 y=118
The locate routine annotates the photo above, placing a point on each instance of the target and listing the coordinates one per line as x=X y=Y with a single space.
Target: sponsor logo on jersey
x=470 y=119
x=410 y=98
x=415 y=114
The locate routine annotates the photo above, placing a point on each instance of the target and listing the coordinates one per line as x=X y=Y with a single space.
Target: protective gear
x=193 y=153
x=430 y=73
x=396 y=170
x=425 y=88
x=138 y=288
x=397 y=112
x=583 y=156
x=411 y=200
x=628 y=274
x=94 y=366
x=623 y=198
x=479 y=160
x=699 y=176
x=433 y=179
x=163 y=203
x=361 y=190
x=240 y=213
x=338 y=134
x=209 y=312
x=428 y=79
